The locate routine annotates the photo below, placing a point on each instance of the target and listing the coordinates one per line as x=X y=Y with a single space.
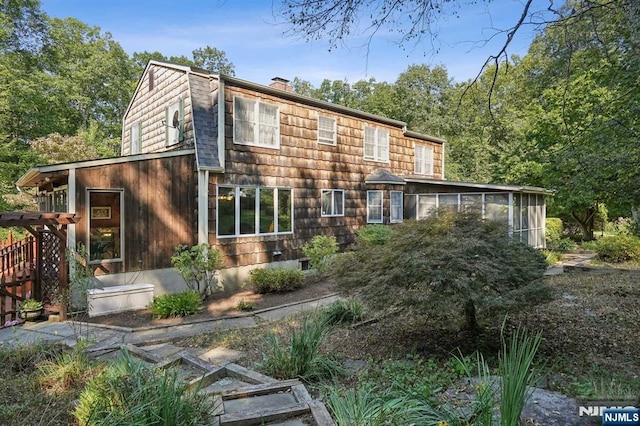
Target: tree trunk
x=471 y=322
x=585 y=220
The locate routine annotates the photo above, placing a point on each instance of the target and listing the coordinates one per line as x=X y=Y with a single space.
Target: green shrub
x=128 y=392
x=553 y=230
x=566 y=244
x=344 y=311
x=321 y=251
x=243 y=305
x=274 y=280
x=552 y=257
x=176 y=305
x=198 y=266
x=301 y=357
x=68 y=370
x=620 y=248
x=372 y=235
x=447 y=266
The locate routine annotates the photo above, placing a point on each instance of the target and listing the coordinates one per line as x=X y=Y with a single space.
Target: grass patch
x=344 y=311
x=301 y=356
x=128 y=392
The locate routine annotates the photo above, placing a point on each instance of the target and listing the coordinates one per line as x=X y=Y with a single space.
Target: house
x=256 y=171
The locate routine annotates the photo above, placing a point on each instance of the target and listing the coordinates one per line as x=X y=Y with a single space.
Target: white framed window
x=423 y=159
x=396 y=203
x=256 y=123
x=174 y=123
x=376 y=144
x=136 y=138
x=253 y=210
x=327 y=130
x=374 y=207
x=332 y=202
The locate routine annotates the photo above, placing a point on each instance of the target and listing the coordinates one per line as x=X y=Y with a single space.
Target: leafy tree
x=208 y=58
x=55 y=148
x=447 y=266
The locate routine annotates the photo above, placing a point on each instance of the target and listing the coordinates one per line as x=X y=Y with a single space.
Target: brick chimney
x=281 y=84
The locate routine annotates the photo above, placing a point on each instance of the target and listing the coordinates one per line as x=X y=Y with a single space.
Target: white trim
x=222 y=137
x=442 y=158
x=257 y=124
x=401 y=218
x=88 y=192
x=71 y=208
x=203 y=207
x=334 y=141
x=333 y=206
x=369 y=220
x=528 y=189
x=510 y=213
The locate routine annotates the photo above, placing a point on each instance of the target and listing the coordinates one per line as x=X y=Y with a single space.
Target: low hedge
x=274 y=280
x=617 y=249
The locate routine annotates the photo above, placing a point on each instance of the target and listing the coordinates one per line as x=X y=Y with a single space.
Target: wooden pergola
x=56 y=223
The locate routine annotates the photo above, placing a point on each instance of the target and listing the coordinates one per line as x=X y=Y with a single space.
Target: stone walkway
x=102 y=336
x=570 y=260
x=243 y=397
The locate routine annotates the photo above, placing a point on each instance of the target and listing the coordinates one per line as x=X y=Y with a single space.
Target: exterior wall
x=159 y=208
x=149 y=108
x=308 y=167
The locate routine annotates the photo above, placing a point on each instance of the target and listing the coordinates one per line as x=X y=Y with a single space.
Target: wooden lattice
x=50 y=252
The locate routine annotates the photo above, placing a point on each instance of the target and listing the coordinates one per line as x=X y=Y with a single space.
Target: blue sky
x=252 y=35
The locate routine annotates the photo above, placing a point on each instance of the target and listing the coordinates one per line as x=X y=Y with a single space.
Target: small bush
x=321 y=251
x=372 y=235
x=566 y=244
x=198 y=266
x=552 y=257
x=243 y=305
x=68 y=370
x=274 y=280
x=344 y=311
x=301 y=357
x=553 y=230
x=130 y=393
x=176 y=305
x=618 y=249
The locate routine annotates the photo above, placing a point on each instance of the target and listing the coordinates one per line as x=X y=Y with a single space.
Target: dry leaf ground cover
x=591 y=331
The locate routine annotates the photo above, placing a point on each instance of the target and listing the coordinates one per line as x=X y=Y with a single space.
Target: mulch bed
x=220 y=305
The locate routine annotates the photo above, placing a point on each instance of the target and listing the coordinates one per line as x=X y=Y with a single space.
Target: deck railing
x=17 y=265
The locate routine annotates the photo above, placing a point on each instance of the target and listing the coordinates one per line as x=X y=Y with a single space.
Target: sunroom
x=521 y=208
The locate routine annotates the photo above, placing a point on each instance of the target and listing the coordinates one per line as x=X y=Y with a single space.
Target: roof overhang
x=487 y=186
x=382 y=176
x=38 y=175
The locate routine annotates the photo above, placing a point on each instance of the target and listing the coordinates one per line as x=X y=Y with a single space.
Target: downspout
x=221 y=124
x=71 y=208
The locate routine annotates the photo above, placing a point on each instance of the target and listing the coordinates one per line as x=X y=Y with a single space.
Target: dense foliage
x=275 y=280
x=176 y=305
x=618 y=248
x=198 y=266
x=447 y=266
x=321 y=251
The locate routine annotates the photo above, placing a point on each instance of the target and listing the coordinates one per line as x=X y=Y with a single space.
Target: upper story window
x=332 y=202
x=256 y=123
x=327 y=130
x=424 y=160
x=376 y=144
x=136 y=138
